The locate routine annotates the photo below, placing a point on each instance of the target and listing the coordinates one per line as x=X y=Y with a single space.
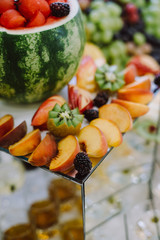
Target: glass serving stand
x=100 y=206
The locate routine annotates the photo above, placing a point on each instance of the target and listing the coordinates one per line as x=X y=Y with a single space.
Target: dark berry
x=100 y=99
x=157 y=79
x=91 y=114
x=82 y=164
x=103 y=94
x=59 y=9
x=152 y=129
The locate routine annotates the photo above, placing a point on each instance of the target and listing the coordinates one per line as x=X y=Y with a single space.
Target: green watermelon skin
x=35 y=66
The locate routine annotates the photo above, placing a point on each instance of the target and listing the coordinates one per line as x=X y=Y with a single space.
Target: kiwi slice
x=108 y=78
x=63 y=121
x=147 y=129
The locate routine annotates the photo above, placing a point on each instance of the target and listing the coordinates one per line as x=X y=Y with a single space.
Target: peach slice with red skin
x=140 y=83
x=145 y=64
x=118 y=114
x=110 y=131
x=135 y=109
x=27 y=144
x=80 y=98
x=68 y=148
x=14 y=135
x=86 y=74
x=93 y=141
x=6 y=124
x=45 y=151
x=39 y=119
x=135 y=95
x=130 y=73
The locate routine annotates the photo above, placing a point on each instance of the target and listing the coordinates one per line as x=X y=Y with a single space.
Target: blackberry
x=103 y=94
x=91 y=114
x=101 y=99
x=157 y=80
x=59 y=9
x=82 y=164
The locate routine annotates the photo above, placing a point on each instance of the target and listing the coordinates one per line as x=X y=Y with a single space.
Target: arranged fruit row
x=68 y=140
x=28 y=13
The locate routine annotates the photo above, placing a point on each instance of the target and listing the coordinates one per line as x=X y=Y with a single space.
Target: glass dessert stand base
x=100 y=207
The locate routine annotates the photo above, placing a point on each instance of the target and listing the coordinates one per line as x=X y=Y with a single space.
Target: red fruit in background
x=37 y=20
x=130 y=73
x=40 y=117
x=6 y=5
x=80 y=98
x=12 y=19
x=130 y=8
x=134 y=18
x=28 y=8
x=145 y=64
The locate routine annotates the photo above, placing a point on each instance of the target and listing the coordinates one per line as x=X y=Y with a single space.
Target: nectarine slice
x=68 y=148
x=140 y=83
x=135 y=109
x=118 y=114
x=40 y=117
x=135 y=95
x=14 y=135
x=6 y=124
x=92 y=141
x=130 y=74
x=110 y=131
x=45 y=151
x=27 y=144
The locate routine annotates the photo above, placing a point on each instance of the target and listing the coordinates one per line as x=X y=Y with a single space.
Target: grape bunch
x=151 y=17
x=103 y=21
x=116 y=54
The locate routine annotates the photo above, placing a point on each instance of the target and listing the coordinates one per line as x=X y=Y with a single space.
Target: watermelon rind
x=38 y=62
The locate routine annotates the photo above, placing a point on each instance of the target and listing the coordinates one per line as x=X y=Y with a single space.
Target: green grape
x=114 y=9
x=96 y=37
x=97 y=4
x=117 y=24
x=90 y=28
x=107 y=36
x=104 y=25
x=139 y=38
x=94 y=16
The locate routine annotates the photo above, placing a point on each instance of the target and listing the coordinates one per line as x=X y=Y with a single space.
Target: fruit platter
x=64 y=105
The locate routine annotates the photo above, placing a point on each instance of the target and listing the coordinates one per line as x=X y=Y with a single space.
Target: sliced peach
x=86 y=74
x=141 y=83
x=110 y=131
x=130 y=74
x=14 y=135
x=27 y=144
x=135 y=109
x=145 y=64
x=39 y=120
x=93 y=141
x=135 y=95
x=118 y=114
x=68 y=148
x=46 y=150
x=6 y=124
